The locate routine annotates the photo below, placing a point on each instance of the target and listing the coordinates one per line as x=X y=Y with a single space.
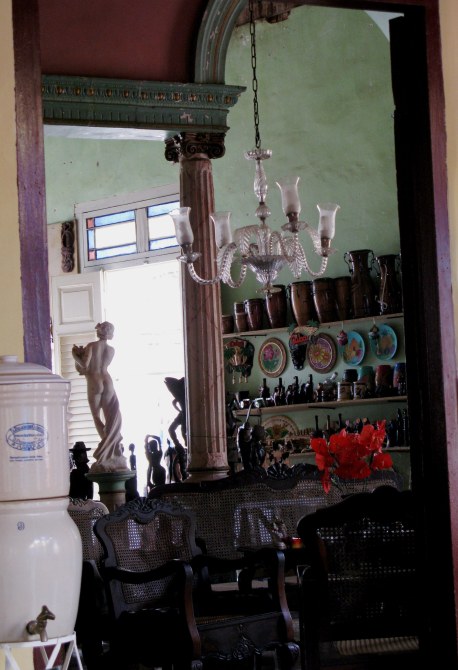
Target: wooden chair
x=359 y=593
x=166 y=613
x=92 y=618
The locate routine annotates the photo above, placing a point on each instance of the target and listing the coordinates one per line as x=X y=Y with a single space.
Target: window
x=126 y=229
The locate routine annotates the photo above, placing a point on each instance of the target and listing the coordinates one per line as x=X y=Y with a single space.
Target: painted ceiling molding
x=173 y=107
x=213 y=39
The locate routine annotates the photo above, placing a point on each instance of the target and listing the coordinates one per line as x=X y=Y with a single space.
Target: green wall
x=81 y=170
x=326 y=111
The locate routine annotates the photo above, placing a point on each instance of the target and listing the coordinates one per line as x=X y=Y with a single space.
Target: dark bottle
x=296 y=391
x=309 y=390
x=264 y=390
x=280 y=393
x=317 y=432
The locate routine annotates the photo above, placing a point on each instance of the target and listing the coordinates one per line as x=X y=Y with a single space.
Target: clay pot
x=228 y=323
x=254 y=308
x=362 y=287
x=300 y=295
x=240 y=317
x=389 y=295
x=276 y=307
x=324 y=297
x=383 y=380
x=342 y=286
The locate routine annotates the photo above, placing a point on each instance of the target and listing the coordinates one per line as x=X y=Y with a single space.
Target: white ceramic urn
x=40 y=548
x=34 y=458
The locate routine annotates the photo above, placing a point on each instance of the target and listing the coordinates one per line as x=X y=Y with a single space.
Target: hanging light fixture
x=258 y=247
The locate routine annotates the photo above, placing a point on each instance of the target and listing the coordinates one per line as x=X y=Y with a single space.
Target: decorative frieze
x=137 y=104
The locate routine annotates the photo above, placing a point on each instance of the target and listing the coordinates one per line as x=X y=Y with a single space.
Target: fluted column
x=204 y=363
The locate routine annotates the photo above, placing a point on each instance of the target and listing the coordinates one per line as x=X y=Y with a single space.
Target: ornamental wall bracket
x=120 y=103
x=67 y=238
x=189 y=144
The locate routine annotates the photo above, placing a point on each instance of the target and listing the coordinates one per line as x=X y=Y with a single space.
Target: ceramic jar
x=383 y=380
x=33 y=432
x=40 y=549
x=344 y=390
x=399 y=378
x=359 y=390
x=350 y=375
x=41 y=559
x=366 y=375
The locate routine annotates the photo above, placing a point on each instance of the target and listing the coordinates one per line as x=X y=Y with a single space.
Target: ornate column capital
x=188 y=145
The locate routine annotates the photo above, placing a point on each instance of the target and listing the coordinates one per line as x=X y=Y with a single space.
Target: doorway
x=144 y=304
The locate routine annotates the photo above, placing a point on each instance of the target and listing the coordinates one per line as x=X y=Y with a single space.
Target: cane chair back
x=359 y=593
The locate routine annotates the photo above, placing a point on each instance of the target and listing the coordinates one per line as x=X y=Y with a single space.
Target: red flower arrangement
x=351 y=455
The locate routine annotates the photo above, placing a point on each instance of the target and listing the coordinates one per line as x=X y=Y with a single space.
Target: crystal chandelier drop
x=258 y=247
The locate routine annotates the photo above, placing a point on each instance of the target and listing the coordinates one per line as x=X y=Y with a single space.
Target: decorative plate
x=272 y=357
x=386 y=344
x=280 y=427
x=353 y=352
x=321 y=353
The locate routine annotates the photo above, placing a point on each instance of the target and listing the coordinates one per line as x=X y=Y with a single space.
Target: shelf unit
x=329 y=324
x=282 y=409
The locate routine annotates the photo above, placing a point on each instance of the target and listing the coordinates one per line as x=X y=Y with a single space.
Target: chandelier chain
x=254 y=83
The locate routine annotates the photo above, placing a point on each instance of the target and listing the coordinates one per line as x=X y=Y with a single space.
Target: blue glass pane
x=114 y=218
x=163 y=243
x=117 y=251
x=164 y=208
x=90 y=239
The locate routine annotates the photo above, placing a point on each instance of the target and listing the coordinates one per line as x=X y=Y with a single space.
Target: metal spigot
x=38 y=626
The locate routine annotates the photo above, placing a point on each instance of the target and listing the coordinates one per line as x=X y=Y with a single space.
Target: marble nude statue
x=92 y=361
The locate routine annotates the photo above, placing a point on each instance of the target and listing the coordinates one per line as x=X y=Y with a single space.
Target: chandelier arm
x=277 y=238
x=300 y=263
x=201 y=280
x=224 y=261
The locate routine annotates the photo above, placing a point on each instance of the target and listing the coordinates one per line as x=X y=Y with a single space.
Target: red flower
x=351 y=455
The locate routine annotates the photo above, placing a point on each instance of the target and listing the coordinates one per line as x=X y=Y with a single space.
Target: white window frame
x=138 y=201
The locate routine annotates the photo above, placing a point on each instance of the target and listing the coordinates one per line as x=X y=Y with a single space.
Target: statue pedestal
x=112 y=486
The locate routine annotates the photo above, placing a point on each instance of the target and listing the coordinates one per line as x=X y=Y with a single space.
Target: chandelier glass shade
x=257 y=247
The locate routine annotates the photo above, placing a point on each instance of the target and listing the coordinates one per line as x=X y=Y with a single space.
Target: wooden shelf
x=282 y=409
x=271 y=331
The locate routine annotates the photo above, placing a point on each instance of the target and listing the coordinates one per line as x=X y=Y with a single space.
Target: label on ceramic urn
x=27 y=437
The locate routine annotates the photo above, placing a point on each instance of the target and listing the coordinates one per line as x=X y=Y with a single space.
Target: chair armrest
x=270 y=560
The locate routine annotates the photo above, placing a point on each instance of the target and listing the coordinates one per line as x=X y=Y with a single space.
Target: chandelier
x=258 y=247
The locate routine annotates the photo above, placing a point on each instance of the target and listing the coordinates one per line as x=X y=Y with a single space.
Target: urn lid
x=14 y=372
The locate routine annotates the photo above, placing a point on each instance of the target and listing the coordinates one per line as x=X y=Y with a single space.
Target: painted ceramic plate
x=386 y=345
x=280 y=427
x=272 y=357
x=353 y=352
x=321 y=353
